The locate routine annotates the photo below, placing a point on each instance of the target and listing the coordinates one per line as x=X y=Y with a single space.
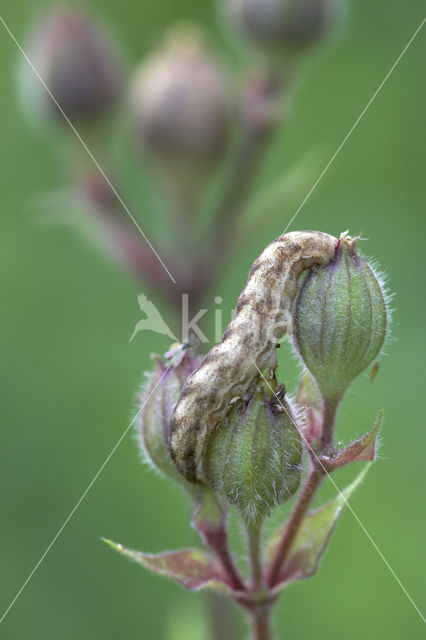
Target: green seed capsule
x=340 y=320
x=254 y=458
x=157 y=401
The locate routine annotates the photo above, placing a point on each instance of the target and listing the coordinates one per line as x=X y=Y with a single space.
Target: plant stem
x=260 y=608
x=313 y=481
x=210 y=520
x=261 y=623
x=254 y=531
x=305 y=498
x=225 y=557
x=259 y=114
x=330 y=410
x=223 y=236
x=247 y=159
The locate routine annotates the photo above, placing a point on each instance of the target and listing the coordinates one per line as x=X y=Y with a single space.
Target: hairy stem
x=254 y=532
x=305 y=498
x=330 y=410
x=227 y=562
x=213 y=531
x=260 y=607
x=313 y=481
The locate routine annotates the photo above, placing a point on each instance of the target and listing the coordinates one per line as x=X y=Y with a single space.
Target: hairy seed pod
x=157 y=401
x=254 y=457
x=79 y=63
x=340 y=320
x=263 y=316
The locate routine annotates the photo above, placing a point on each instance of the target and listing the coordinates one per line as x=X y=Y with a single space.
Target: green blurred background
x=68 y=372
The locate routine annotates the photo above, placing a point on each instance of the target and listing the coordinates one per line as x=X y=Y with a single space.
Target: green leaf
x=362 y=450
x=192 y=568
x=313 y=537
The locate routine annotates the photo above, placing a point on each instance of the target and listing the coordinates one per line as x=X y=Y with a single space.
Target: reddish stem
x=305 y=498
x=230 y=568
x=330 y=409
x=255 y=556
x=217 y=540
x=261 y=623
x=260 y=611
x=313 y=481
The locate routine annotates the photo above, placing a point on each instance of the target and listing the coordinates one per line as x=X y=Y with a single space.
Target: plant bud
x=180 y=104
x=77 y=61
x=340 y=320
x=254 y=458
x=283 y=26
x=157 y=402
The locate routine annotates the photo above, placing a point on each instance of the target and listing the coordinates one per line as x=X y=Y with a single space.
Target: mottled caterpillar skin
x=263 y=315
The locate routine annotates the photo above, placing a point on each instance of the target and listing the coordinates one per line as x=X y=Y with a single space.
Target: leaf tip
x=114 y=545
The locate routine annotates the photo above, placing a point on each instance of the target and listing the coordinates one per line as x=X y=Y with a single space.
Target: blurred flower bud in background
x=254 y=458
x=181 y=105
x=340 y=320
x=283 y=26
x=157 y=401
x=79 y=63
x=260 y=102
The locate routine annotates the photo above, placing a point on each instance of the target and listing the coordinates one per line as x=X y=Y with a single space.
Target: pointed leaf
x=362 y=450
x=191 y=568
x=313 y=537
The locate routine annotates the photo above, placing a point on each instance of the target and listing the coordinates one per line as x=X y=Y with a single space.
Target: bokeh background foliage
x=68 y=372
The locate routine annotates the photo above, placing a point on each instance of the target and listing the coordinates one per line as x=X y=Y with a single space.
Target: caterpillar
x=263 y=316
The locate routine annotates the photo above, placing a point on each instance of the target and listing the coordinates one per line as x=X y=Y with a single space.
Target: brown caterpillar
x=263 y=315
